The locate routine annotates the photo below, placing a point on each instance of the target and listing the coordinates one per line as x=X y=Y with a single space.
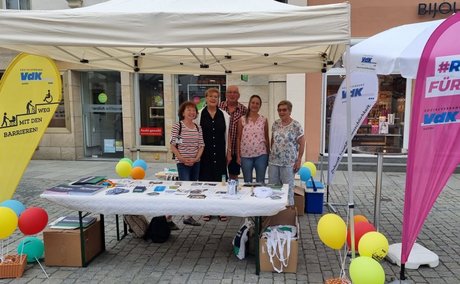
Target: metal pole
x=378 y=191
x=351 y=204
x=137 y=115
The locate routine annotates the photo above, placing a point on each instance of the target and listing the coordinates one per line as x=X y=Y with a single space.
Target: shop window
x=59 y=117
x=193 y=88
x=388 y=109
x=152 y=110
x=17 y=4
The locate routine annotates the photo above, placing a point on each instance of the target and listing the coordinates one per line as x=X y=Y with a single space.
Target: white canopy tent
x=396 y=50
x=184 y=36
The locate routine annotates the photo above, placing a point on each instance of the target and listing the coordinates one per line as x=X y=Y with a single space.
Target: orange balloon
x=137 y=173
x=360 y=218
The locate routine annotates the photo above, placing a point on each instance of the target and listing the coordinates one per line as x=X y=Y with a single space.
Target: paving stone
x=204 y=254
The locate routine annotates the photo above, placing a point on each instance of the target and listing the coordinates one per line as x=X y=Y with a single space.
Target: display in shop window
x=384 y=126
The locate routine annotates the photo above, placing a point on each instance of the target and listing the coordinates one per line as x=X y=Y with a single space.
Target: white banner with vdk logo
x=364 y=94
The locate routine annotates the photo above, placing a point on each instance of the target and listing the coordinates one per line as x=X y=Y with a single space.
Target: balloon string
x=343 y=258
x=22 y=247
x=46 y=274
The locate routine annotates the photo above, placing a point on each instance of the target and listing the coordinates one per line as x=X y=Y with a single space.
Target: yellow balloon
x=332 y=230
x=373 y=244
x=8 y=222
x=123 y=169
x=365 y=270
x=311 y=167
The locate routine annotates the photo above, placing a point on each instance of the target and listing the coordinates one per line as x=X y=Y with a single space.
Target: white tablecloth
x=173 y=201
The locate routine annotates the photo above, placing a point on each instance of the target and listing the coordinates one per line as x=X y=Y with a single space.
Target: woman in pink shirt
x=253 y=142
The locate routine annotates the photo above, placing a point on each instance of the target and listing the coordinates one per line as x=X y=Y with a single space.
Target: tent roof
x=185 y=36
x=396 y=50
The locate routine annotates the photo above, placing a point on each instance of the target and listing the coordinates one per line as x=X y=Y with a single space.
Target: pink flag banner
x=434 y=144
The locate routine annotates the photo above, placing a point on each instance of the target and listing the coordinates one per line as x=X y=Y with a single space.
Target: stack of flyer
x=86 y=189
x=71 y=222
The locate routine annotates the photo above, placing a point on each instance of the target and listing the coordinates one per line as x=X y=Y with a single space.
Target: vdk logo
x=440 y=118
x=357 y=92
x=366 y=60
x=31 y=76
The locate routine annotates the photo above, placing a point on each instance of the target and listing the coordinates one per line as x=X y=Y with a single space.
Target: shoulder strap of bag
x=179 y=133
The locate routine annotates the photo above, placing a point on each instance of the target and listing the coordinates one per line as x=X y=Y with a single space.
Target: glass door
x=102 y=114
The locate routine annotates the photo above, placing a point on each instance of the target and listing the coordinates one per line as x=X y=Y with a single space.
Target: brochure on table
x=175 y=197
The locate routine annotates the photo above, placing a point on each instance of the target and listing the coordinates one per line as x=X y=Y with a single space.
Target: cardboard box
x=315 y=200
x=63 y=247
x=299 y=200
x=285 y=217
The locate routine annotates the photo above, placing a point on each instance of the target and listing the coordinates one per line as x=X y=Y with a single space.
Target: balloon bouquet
x=372 y=247
x=125 y=168
x=307 y=172
x=31 y=221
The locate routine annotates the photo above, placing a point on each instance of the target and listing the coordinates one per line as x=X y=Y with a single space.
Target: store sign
x=105 y=108
x=151 y=131
x=433 y=9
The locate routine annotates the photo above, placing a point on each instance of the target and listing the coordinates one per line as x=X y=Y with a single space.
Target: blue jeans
x=188 y=173
x=283 y=175
x=259 y=163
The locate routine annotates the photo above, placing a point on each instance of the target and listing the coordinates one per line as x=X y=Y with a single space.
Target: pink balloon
x=32 y=220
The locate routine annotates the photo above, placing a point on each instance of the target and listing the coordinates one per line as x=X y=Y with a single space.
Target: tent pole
x=323 y=122
x=137 y=116
x=351 y=204
x=329 y=205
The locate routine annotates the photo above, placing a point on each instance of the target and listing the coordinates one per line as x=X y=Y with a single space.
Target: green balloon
x=366 y=270
x=32 y=247
x=102 y=98
x=127 y=160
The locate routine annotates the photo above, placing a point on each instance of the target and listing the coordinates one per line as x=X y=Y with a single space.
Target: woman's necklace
x=188 y=123
x=212 y=112
x=254 y=117
x=287 y=122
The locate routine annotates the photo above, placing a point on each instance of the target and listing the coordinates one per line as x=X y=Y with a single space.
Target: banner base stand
x=419 y=255
x=402 y=282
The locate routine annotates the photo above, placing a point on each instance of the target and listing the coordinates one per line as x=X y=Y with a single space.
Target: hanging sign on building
x=30 y=92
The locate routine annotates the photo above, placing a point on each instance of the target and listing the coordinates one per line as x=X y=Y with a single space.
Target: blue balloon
x=305 y=174
x=33 y=247
x=14 y=205
x=140 y=163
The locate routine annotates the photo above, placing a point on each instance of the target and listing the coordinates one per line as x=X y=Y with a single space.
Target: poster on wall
x=30 y=92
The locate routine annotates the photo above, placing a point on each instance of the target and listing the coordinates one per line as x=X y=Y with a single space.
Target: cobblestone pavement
x=204 y=254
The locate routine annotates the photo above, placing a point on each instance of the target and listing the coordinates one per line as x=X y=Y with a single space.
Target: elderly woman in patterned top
x=287 y=148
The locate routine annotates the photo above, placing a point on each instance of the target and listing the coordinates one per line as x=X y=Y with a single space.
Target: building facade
x=98 y=119
x=367 y=19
